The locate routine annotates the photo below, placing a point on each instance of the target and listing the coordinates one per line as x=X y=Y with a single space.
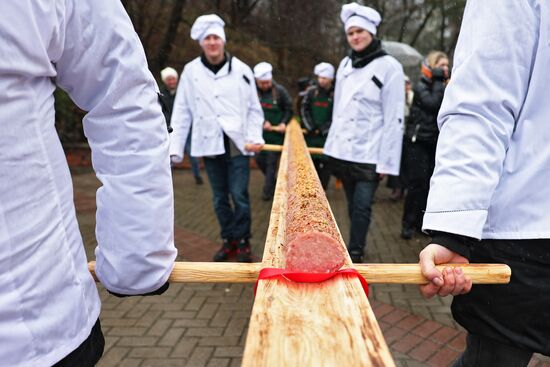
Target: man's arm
x=393 y=107
x=182 y=118
x=307 y=118
x=255 y=116
x=482 y=103
x=286 y=104
x=104 y=70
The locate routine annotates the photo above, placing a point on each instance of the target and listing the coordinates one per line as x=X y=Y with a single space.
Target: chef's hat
x=168 y=72
x=355 y=15
x=324 y=70
x=263 y=71
x=206 y=25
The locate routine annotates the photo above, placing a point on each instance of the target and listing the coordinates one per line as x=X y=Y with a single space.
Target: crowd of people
x=471 y=156
x=357 y=114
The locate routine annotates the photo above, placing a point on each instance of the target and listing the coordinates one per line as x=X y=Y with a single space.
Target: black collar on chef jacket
x=371 y=52
x=217 y=67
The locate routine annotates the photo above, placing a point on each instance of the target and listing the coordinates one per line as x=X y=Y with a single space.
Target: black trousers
x=515 y=314
x=420 y=162
x=267 y=162
x=88 y=353
x=481 y=352
x=323 y=171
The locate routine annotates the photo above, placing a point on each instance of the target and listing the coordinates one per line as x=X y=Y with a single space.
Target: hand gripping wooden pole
x=208 y=272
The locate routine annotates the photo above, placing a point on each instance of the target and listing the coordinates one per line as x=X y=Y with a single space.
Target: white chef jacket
x=214 y=104
x=367 y=119
x=48 y=300
x=492 y=174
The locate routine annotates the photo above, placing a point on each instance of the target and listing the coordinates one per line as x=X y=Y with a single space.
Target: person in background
x=489 y=194
x=421 y=138
x=365 y=138
x=303 y=84
x=49 y=304
x=277 y=107
x=317 y=116
x=217 y=95
x=398 y=184
x=169 y=78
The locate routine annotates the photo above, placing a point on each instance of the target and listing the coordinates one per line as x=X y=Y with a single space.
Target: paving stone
x=127 y=331
x=424 y=350
x=150 y=352
x=200 y=357
x=219 y=341
x=406 y=343
x=163 y=362
x=443 y=357
x=171 y=337
x=219 y=362
x=185 y=347
x=228 y=352
x=160 y=328
x=137 y=341
x=204 y=331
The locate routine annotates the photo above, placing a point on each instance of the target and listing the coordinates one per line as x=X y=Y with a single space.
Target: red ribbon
x=275 y=273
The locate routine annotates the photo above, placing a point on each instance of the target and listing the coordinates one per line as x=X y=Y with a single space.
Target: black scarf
x=362 y=58
x=217 y=67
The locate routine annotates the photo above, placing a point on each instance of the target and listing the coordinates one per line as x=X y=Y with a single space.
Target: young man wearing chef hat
x=217 y=95
x=277 y=107
x=364 y=141
x=316 y=112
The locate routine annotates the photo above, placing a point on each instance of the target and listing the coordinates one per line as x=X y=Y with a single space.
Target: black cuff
x=454 y=242
x=158 y=292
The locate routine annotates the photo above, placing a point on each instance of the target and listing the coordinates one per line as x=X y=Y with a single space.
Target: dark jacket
x=284 y=101
x=428 y=96
x=167 y=103
x=308 y=118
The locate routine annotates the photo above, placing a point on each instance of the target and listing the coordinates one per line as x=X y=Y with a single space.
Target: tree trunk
x=422 y=26
x=170 y=35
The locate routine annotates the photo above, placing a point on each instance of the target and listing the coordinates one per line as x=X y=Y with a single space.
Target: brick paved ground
x=206 y=325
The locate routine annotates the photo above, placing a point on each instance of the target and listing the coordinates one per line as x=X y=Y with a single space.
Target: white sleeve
x=181 y=118
x=393 y=107
x=482 y=102
x=104 y=70
x=255 y=116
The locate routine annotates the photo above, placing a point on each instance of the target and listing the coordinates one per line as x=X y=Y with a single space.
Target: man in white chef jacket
x=364 y=140
x=49 y=304
x=217 y=95
x=489 y=198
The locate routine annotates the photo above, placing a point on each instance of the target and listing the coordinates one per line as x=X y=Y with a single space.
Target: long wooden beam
x=209 y=272
x=279 y=148
x=316 y=324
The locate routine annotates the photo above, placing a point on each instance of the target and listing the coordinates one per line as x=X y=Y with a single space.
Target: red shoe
x=228 y=249
x=244 y=254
